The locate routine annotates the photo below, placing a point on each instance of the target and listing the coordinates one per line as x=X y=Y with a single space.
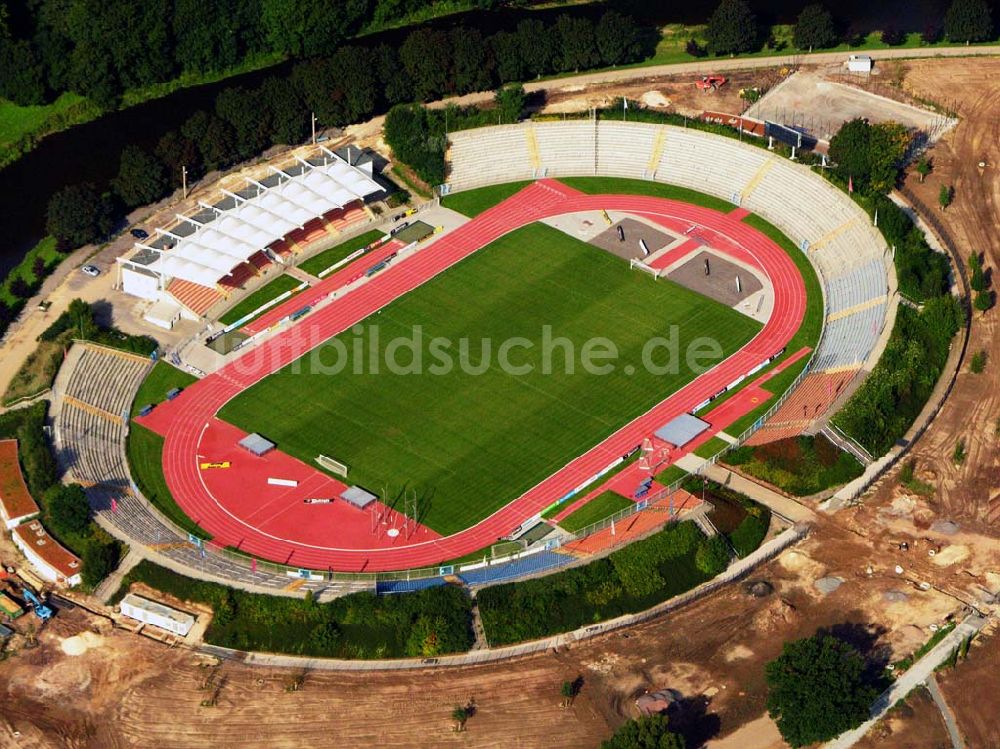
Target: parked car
x=140 y=234
x=91 y=270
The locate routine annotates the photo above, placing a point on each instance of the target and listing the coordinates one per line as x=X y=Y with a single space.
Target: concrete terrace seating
x=847 y=252
x=107 y=380
x=859 y=285
x=407 y=586
x=91 y=445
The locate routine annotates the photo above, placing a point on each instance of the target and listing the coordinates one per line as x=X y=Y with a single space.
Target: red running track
x=183 y=420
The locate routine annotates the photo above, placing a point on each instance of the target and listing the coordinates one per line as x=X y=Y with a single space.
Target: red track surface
x=183 y=420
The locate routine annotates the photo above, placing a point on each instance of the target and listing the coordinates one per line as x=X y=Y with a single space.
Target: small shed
x=859 y=64
x=358 y=497
x=256 y=444
x=159 y=615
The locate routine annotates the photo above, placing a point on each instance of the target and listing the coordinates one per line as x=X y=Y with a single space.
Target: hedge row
x=633 y=579
x=892 y=396
x=426 y=623
x=752 y=530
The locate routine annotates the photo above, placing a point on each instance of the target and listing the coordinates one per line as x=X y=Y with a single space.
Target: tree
x=510 y=102
x=818 y=688
x=923 y=168
x=176 y=152
x=506 y=46
x=425 y=57
x=248 y=117
x=814 y=28
x=78 y=215
x=22 y=77
x=286 y=115
x=712 y=556
x=394 y=82
x=99 y=559
x=66 y=507
x=977 y=278
x=472 y=66
x=893 y=35
x=616 y=36
x=141 y=178
x=968 y=21
x=869 y=155
x=213 y=137
x=732 y=29
x=460 y=715
x=536 y=50
x=21 y=288
x=983 y=301
x=651 y=732
x=576 y=43
x=945 y=196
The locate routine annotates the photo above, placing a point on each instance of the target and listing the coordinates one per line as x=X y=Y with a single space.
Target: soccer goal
x=332 y=465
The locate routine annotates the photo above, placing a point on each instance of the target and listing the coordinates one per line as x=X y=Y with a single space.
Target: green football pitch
x=469 y=443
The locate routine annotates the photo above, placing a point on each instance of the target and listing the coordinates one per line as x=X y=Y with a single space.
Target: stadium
x=280 y=466
x=539 y=374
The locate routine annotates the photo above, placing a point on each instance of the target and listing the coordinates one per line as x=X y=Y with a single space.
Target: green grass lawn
x=710 y=448
x=144 y=448
x=670 y=474
x=473 y=202
x=271 y=290
x=322 y=261
x=619 y=186
x=598 y=508
x=161 y=378
x=470 y=443
x=144 y=451
x=46 y=250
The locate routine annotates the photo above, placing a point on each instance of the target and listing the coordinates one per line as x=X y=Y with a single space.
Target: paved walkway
x=957 y=741
x=112 y=582
x=919 y=673
x=780 y=505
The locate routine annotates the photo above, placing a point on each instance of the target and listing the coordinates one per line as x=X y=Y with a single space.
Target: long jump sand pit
x=720 y=283
x=634 y=231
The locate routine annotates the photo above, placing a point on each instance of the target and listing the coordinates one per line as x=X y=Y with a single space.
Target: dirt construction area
x=880 y=574
x=968 y=491
x=87 y=685
x=811 y=100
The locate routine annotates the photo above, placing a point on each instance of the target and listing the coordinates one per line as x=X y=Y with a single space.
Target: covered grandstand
x=217 y=247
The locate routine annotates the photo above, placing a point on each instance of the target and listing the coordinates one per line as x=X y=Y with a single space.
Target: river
x=89 y=152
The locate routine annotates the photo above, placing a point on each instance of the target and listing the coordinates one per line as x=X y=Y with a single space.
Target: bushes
x=800 y=465
x=632 y=579
x=892 y=396
x=64 y=509
x=922 y=273
x=751 y=530
x=422 y=624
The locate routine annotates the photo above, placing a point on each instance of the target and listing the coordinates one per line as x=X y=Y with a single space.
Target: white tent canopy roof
x=214 y=248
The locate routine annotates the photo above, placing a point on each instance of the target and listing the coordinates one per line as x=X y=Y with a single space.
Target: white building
x=157 y=614
x=859 y=64
x=199 y=258
x=51 y=561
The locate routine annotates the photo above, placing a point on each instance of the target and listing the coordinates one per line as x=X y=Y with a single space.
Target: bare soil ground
x=916 y=724
x=970 y=691
x=813 y=100
x=970 y=491
x=129 y=692
x=666 y=93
